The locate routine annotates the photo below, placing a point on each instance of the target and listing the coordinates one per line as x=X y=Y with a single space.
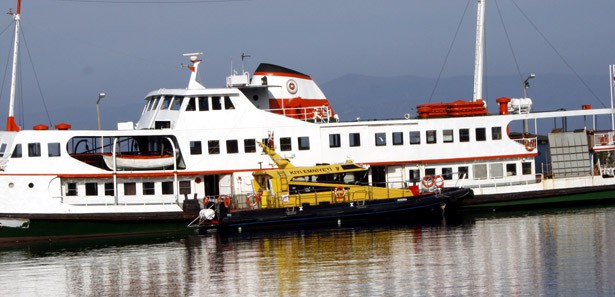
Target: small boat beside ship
x=325 y=194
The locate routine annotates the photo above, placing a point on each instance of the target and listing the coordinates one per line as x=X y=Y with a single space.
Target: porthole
x=30 y=185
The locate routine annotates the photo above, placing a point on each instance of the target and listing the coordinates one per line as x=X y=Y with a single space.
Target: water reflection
x=568 y=252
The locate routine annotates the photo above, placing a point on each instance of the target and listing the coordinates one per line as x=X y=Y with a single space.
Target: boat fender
x=530 y=145
x=206 y=214
x=339 y=193
x=438 y=181
x=427 y=181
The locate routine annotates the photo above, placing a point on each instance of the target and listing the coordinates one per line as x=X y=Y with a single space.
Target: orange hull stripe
x=283 y=74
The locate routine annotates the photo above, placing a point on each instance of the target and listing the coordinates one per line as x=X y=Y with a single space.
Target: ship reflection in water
x=566 y=252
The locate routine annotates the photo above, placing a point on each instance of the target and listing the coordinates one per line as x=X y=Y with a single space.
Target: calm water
x=569 y=252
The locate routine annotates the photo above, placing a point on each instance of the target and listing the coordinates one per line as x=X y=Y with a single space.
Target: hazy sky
x=127 y=48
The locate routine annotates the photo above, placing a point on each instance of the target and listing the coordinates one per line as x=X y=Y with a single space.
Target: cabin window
x=213 y=147
x=177 y=103
x=53 y=149
x=464 y=135
x=496 y=170
x=17 y=151
x=195 y=148
x=431 y=136
x=334 y=140
x=462 y=172
x=481 y=134
x=285 y=144
x=34 y=149
x=496 y=133
x=203 y=103
x=354 y=139
x=304 y=143
x=415 y=175
x=91 y=189
x=447 y=173
x=71 y=189
x=526 y=168
x=153 y=103
x=232 y=147
x=447 y=135
x=184 y=187
x=249 y=145
x=109 y=189
x=130 y=189
x=2 y=149
x=381 y=139
x=415 y=137
x=216 y=103
x=228 y=104
x=479 y=171
x=191 y=106
x=148 y=188
x=430 y=171
x=398 y=138
x=511 y=169
x=167 y=188
x=166 y=102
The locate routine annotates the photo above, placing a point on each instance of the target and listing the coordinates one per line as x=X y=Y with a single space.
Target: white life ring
x=339 y=193
x=291 y=86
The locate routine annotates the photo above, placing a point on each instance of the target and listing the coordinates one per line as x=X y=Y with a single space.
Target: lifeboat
x=139 y=161
x=458 y=108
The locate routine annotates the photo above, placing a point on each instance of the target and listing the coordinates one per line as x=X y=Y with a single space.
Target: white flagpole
x=612 y=82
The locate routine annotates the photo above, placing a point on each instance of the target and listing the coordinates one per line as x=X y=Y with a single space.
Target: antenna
x=243 y=65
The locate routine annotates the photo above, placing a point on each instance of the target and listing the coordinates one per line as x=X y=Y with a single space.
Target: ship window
x=479 y=171
x=496 y=170
x=228 y=104
x=91 y=189
x=285 y=144
x=447 y=135
x=184 y=187
x=431 y=136
x=496 y=133
x=71 y=189
x=167 y=188
x=511 y=169
x=213 y=147
x=195 y=148
x=464 y=135
x=34 y=149
x=354 y=139
x=109 y=189
x=130 y=189
x=2 y=149
x=148 y=188
x=232 y=147
x=53 y=149
x=334 y=140
x=398 y=138
x=462 y=172
x=381 y=139
x=166 y=102
x=415 y=175
x=249 y=145
x=216 y=103
x=203 y=103
x=481 y=134
x=177 y=103
x=191 y=106
x=447 y=173
x=526 y=168
x=415 y=137
x=17 y=151
x=304 y=143
x=430 y=171
x=153 y=103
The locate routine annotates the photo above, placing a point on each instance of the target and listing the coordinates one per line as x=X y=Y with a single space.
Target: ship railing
x=316 y=114
x=123 y=200
x=495 y=183
x=603 y=140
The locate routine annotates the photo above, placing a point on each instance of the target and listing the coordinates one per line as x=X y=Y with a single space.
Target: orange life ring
x=339 y=193
x=428 y=181
x=205 y=201
x=227 y=202
x=438 y=181
x=256 y=198
x=530 y=145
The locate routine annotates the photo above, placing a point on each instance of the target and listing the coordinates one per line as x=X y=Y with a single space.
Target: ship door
x=211 y=185
x=379 y=177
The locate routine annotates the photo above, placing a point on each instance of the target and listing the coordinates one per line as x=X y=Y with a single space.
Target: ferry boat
x=59 y=174
x=325 y=194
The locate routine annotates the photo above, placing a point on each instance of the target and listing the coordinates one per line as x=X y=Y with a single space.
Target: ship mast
x=480 y=52
x=10 y=121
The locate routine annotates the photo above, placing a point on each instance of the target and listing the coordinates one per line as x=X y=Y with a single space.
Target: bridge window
x=447 y=135
x=203 y=103
x=415 y=137
x=213 y=146
x=249 y=145
x=191 y=106
x=34 y=149
x=216 y=103
x=304 y=143
x=228 y=104
x=177 y=103
x=481 y=134
x=334 y=140
x=2 y=149
x=354 y=139
x=166 y=102
x=285 y=144
x=431 y=136
x=232 y=147
x=153 y=103
x=398 y=138
x=381 y=139
x=17 y=151
x=464 y=135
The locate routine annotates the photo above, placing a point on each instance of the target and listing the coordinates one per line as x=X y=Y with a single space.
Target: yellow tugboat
x=323 y=194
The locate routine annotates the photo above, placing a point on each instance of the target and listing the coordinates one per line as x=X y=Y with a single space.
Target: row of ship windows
x=200 y=103
x=479 y=171
x=130 y=188
x=34 y=150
